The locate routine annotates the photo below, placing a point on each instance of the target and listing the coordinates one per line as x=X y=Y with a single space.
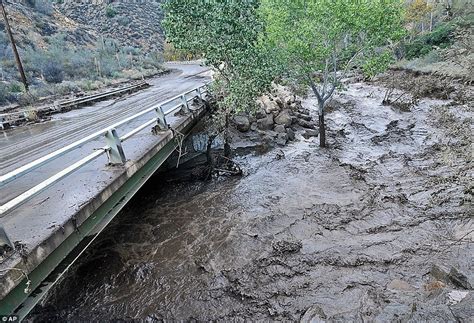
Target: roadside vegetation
x=61 y=69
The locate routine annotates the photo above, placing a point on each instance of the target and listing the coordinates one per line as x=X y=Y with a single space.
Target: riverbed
x=377 y=227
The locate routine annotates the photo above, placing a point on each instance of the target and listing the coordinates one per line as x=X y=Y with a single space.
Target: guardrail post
x=4 y=239
x=115 y=151
x=161 y=119
x=2 y=123
x=185 y=103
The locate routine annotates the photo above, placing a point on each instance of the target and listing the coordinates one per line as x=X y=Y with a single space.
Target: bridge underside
x=53 y=255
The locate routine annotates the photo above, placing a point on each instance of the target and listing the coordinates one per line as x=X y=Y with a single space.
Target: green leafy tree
x=228 y=35
x=319 y=40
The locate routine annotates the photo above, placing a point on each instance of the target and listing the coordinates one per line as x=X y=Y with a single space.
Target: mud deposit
x=378 y=227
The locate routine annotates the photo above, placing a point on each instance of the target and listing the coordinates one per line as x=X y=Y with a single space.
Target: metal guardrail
x=113 y=147
x=6 y=118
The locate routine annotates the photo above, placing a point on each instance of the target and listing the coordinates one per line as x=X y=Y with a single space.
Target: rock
x=283 y=118
x=282 y=139
x=280 y=155
x=272 y=133
x=459 y=279
x=310 y=133
x=314 y=314
x=289 y=100
x=253 y=126
x=280 y=128
x=280 y=103
x=434 y=286
x=456 y=296
x=291 y=134
x=303 y=116
x=242 y=123
x=400 y=285
x=439 y=272
x=306 y=124
x=265 y=123
x=453 y=276
x=260 y=114
x=304 y=111
x=269 y=105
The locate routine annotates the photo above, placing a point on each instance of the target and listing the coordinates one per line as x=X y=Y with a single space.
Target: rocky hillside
x=33 y=22
x=74 y=46
x=135 y=24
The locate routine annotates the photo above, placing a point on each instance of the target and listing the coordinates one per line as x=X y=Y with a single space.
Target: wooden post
x=15 y=50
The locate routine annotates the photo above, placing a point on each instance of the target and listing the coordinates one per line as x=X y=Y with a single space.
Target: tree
x=228 y=35
x=319 y=40
x=417 y=13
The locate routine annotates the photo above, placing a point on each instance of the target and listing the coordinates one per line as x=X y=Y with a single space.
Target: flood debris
x=374 y=229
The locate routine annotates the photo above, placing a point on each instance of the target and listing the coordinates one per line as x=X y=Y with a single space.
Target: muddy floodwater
x=376 y=228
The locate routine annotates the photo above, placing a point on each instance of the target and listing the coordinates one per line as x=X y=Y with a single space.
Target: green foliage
x=377 y=64
x=3 y=93
x=227 y=34
x=16 y=87
x=110 y=11
x=324 y=35
x=423 y=44
x=53 y=72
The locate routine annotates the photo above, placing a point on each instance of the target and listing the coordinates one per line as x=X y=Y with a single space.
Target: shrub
x=422 y=45
x=110 y=11
x=3 y=93
x=377 y=64
x=53 y=72
x=124 y=20
x=15 y=87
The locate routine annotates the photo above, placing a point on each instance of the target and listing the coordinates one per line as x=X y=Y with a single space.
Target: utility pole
x=15 y=50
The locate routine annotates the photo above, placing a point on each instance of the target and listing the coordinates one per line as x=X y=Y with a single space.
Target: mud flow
x=376 y=228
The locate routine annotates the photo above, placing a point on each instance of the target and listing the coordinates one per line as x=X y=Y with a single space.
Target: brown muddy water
x=376 y=228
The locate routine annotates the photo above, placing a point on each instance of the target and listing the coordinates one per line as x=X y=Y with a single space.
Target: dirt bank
x=378 y=227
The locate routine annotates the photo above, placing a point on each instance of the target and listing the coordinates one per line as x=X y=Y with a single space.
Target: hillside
x=69 y=47
x=135 y=24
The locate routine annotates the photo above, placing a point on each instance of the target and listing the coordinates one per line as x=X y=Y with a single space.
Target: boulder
x=284 y=118
x=291 y=134
x=242 y=123
x=306 y=124
x=282 y=139
x=260 y=113
x=280 y=128
x=280 y=102
x=289 y=100
x=310 y=133
x=305 y=117
x=266 y=123
x=253 y=126
x=269 y=105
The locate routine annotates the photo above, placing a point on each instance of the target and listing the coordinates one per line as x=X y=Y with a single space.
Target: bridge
x=63 y=181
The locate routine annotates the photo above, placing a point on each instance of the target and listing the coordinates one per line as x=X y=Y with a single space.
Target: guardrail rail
x=6 y=119
x=113 y=147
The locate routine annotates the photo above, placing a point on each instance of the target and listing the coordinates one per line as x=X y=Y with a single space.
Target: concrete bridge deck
x=48 y=227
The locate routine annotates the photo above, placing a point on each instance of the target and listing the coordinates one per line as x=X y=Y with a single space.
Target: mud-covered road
x=376 y=228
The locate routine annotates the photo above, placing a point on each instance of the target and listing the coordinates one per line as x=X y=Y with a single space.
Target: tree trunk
x=322 y=130
x=227 y=148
